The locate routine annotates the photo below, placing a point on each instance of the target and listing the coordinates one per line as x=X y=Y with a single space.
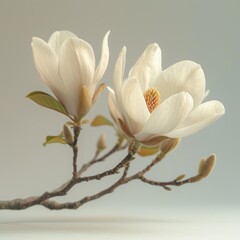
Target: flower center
x=152 y=98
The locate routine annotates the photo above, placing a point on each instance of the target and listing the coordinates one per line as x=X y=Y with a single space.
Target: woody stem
x=76 y=130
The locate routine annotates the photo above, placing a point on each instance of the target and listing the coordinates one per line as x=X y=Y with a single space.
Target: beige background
x=203 y=31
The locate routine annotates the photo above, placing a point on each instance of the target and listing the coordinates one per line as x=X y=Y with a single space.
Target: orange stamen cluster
x=152 y=98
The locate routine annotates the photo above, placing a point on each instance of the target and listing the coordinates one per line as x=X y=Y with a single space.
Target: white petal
x=201 y=117
x=57 y=39
x=183 y=76
x=118 y=75
x=77 y=61
x=167 y=116
x=134 y=105
x=116 y=114
x=113 y=107
x=76 y=68
x=101 y=68
x=46 y=63
x=45 y=60
x=148 y=66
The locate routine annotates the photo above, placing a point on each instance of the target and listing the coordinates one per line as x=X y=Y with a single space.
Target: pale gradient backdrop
x=206 y=32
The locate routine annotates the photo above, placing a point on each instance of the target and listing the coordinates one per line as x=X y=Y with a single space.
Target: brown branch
x=171 y=183
x=116 y=147
x=63 y=190
x=54 y=205
x=45 y=201
x=175 y=182
x=76 y=130
x=112 y=171
x=159 y=158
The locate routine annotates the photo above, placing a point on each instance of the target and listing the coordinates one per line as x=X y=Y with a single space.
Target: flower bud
x=85 y=101
x=67 y=134
x=98 y=92
x=169 y=144
x=206 y=166
x=101 y=144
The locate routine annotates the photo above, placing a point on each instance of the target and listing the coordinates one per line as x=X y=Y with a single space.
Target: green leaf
x=47 y=101
x=54 y=139
x=100 y=121
x=148 y=151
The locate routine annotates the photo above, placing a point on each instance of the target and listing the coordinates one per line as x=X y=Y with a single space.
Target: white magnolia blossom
x=152 y=103
x=66 y=64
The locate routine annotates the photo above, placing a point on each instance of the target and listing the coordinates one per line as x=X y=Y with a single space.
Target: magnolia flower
x=67 y=65
x=152 y=105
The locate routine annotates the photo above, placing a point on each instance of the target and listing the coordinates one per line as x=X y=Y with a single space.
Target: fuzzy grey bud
x=102 y=142
x=206 y=166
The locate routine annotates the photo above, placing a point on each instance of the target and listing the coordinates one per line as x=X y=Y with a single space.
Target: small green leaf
x=167 y=188
x=47 y=101
x=54 y=139
x=180 y=177
x=100 y=121
x=148 y=151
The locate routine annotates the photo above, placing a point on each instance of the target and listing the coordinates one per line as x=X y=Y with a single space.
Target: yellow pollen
x=152 y=98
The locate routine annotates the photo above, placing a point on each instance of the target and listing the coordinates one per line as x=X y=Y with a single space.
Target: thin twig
x=54 y=205
x=35 y=200
x=76 y=130
x=95 y=160
x=170 y=183
x=44 y=199
x=112 y=171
